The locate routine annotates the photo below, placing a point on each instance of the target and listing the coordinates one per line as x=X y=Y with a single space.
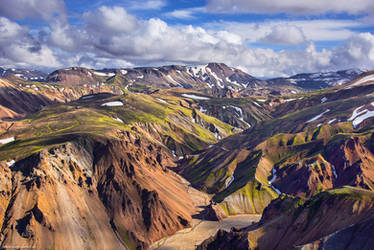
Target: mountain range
x=132 y=158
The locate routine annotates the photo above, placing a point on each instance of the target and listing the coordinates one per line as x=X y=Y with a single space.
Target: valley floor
x=191 y=237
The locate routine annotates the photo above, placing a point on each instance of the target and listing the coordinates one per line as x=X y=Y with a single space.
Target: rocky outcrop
x=93 y=193
x=301 y=224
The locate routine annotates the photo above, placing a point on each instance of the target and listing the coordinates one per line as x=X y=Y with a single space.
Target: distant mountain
x=313 y=81
x=364 y=79
x=212 y=78
x=216 y=79
x=25 y=74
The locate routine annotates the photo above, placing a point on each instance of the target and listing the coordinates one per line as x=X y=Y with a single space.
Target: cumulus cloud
x=296 y=7
x=10 y=31
x=18 y=47
x=110 y=20
x=111 y=37
x=358 y=51
x=21 y=9
x=311 y=30
x=288 y=35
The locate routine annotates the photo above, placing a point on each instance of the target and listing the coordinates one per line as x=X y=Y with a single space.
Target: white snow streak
x=274 y=173
x=10 y=163
x=231 y=180
x=331 y=121
x=334 y=171
x=196 y=97
x=160 y=100
x=113 y=104
x=369 y=78
x=104 y=74
x=6 y=140
x=118 y=120
x=318 y=116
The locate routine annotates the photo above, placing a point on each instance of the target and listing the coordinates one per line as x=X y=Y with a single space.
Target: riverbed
x=187 y=239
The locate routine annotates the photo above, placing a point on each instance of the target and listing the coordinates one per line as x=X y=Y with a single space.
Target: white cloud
x=60 y=36
x=21 y=9
x=19 y=48
x=285 y=34
x=110 y=19
x=358 y=51
x=147 y=5
x=314 y=30
x=111 y=37
x=10 y=31
x=296 y=7
x=181 y=14
x=188 y=13
x=43 y=57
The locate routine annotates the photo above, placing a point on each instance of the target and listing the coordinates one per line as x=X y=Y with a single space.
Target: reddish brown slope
x=93 y=193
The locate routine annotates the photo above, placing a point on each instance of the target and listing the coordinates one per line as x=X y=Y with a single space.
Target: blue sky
x=263 y=37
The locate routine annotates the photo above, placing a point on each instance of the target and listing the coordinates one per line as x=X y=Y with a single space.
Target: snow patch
x=175 y=82
x=196 y=97
x=362 y=117
x=318 y=116
x=113 y=104
x=160 y=100
x=323 y=100
x=7 y=140
x=240 y=112
x=356 y=113
x=196 y=70
x=123 y=72
x=257 y=104
x=334 y=171
x=274 y=173
x=118 y=120
x=219 y=80
x=369 y=78
x=290 y=100
x=233 y=82
x=104 y=74
x=216 y=134
x=231 y=180
x=10 y=163
x=202 y=110
x=128 y=85
x=87 y=97
x=331 y=121
x=173 y=153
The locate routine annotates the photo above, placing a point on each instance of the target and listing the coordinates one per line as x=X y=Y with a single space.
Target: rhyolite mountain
x=97 y=172
x=319 y=80
x=216 y=79
x=115 y=159
x=26 y=74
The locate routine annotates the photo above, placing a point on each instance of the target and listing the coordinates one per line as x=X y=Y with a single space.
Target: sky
x=265 y=38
